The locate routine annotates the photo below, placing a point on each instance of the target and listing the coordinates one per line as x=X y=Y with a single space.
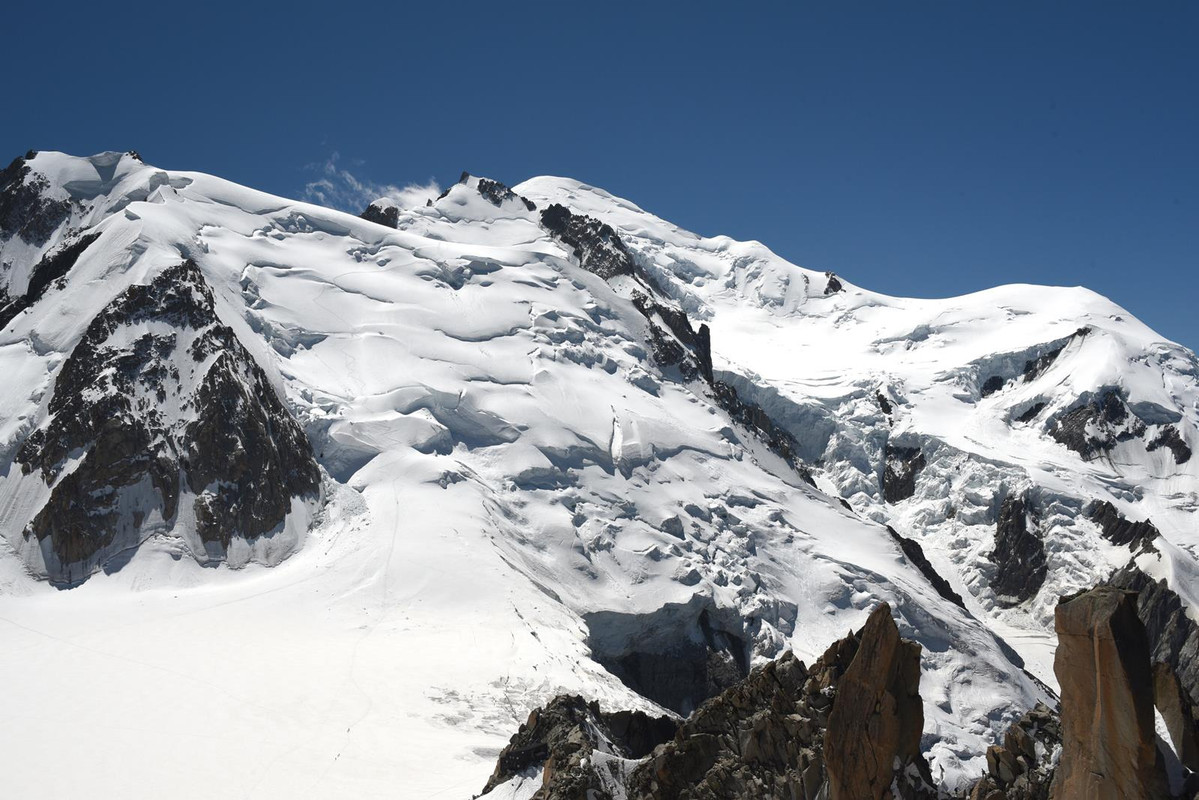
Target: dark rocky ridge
x=688 y=349
x=236 y=447
x=776 y=437
x=25 y=211
x=560 y=742
x=595 y=244
x=497 y=193
x=1120 y=531
x=915 y=553
x=674 y=341
x=52 y=267
x=1033 y=367
x=1019 y=554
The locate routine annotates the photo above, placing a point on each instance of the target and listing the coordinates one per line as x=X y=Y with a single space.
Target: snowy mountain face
x=342 y=499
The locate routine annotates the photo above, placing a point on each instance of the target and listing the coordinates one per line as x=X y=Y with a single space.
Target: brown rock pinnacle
x=878 y=716
x=1102 y=664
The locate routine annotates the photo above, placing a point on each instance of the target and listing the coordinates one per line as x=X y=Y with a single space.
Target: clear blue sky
x=915 y=148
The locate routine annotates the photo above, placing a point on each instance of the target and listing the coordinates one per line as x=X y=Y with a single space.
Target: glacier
x=531 y=482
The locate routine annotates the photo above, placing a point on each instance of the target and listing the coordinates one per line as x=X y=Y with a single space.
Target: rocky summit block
x=1102 y=664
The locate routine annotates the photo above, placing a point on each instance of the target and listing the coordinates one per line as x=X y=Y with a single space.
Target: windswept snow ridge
x=454 y=460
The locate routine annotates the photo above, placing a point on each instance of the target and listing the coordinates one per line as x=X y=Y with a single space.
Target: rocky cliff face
x=26 y=212
x=1174 y=646
x=1102 y=664
x=160 y=402
x=849 y=727
x=873 y=735
x=1019 y=554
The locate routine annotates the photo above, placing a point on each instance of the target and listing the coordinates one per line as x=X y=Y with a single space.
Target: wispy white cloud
x=337 y=187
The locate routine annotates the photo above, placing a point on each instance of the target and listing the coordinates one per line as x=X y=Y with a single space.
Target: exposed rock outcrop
x=1019 y=554
x=595 y=244
x=849 y=727
x=760 y=739
x=915 y=553
x=901 y=467
x=382 y=212
x=674 y=341
x=1097 y=426
x=52 y=267
x=752 y=416
x=1036 y=366
x=581 y=752
x=158 y=398
x=1120 y=531
x=1170 y=438
x=1102 y=665
x=873 y=735
x=1178 y=712
x=496 y=193
x=25 y=209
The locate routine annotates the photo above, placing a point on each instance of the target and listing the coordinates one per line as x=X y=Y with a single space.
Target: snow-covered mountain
x=297 y=503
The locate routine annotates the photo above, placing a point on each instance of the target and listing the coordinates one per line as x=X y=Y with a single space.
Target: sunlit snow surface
x=502 y=458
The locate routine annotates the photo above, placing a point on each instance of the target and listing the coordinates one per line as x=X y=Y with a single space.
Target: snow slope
x=515 y=489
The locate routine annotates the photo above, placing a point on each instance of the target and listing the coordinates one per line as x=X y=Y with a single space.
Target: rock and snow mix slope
x=480 y=453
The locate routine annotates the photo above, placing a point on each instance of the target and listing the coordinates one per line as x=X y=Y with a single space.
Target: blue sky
x=916 y=148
